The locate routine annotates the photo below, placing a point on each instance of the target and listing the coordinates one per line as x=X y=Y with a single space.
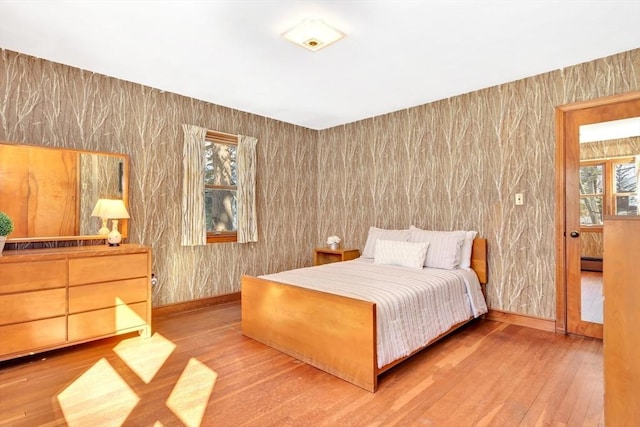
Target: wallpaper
x=54 y=105
x=612 y=148
x=456 y=163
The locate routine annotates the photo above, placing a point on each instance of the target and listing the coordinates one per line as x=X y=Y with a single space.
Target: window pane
x=626 y=205
x=625 y=178
x=591 y=210
x=591 y=179
x=220 y=209
x=220 y=164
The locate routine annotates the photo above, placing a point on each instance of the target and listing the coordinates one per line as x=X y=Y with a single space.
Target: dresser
x=622 y=321
x=52 y=298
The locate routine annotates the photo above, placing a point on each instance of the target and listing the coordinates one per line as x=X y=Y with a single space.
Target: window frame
x=227 y=139
x=608 y=186
x=614 y=193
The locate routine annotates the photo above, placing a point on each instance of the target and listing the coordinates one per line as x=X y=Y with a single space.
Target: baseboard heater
x=590 y=264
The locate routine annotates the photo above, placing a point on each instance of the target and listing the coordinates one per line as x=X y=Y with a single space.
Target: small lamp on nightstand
x=114 y=210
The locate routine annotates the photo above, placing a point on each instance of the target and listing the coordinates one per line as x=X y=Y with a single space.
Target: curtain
x=194 y=229
x=247 y=219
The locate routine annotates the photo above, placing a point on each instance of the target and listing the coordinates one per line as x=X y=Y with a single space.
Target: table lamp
x=114 y=210
x=97 y=211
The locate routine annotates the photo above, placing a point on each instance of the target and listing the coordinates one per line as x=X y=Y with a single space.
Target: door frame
x=563 y=141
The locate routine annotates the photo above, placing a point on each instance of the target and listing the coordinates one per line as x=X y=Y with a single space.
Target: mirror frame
x=123 y=224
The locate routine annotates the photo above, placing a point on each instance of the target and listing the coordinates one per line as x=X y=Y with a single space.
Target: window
x=591 y=194
x=625 y=191
x=607 y=187
x=220 y=187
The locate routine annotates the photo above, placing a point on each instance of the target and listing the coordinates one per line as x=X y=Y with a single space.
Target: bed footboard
x=334 y=333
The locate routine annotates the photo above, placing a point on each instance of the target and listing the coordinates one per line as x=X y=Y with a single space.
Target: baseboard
x=522 y=320
x=179 y=307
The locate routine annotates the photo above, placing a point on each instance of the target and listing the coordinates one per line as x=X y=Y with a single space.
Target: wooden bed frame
x=333 y=333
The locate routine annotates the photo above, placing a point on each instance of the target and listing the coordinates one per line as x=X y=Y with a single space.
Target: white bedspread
x=413 y=306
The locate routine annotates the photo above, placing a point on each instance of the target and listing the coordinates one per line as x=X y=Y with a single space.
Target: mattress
x=413 y=306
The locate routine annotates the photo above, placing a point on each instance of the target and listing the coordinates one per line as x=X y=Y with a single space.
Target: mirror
x=609 y=183
x=50 y=193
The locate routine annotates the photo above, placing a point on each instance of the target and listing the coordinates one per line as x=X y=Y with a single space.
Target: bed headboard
x=479 y=262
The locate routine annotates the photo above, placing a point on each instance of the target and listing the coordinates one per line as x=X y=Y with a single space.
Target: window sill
x=222 y=238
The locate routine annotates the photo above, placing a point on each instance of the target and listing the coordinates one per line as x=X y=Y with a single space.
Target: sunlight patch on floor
x=145 y=357
x=89 y=400
x=101 y=396
x=189 y=397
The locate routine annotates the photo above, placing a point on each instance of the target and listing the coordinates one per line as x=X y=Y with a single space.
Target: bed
x=339 y=333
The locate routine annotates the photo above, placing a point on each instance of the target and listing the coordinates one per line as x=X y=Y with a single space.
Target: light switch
x=519 y=199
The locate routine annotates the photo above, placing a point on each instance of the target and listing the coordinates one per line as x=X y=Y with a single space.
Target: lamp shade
x=110 y=209
x=97 y=210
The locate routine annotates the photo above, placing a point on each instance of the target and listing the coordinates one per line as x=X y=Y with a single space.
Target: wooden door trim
x=560 y=194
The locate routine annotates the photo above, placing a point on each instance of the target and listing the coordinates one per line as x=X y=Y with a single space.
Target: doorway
x=571 y=232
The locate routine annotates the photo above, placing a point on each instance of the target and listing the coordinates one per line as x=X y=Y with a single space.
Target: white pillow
x=445 y=247
x=405 y=254
x=379 y=233
x=467 y=246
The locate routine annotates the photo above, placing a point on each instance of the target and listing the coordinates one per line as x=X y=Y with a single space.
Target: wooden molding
x=522 y=320
x=179 y=307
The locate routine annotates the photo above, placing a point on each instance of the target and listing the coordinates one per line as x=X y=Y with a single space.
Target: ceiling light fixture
x=313 y=34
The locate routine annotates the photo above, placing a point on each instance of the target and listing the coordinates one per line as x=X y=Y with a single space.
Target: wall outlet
x=519 y=199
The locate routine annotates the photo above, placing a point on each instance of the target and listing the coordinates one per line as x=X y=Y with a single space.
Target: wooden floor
x=198 y=369
x=592 y=303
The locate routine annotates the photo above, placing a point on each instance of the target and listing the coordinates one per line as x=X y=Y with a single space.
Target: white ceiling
x=397 y=54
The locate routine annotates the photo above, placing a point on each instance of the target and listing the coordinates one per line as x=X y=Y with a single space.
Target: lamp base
x=114 y=238
x=104 y=230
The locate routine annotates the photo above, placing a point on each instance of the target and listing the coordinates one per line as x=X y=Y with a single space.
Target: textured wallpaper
x=612 y=148
x=455 y=163
x=458 y=163
x=54 y=105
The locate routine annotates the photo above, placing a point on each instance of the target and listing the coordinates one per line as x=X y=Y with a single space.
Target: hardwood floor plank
x=547 y=400
x=198 y=369
x=533 y=368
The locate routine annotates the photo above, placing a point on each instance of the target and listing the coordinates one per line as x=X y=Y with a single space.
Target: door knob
x=574 y=234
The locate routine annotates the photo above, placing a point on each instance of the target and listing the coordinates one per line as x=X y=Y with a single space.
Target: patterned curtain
x=247 y=219
x=194 y=229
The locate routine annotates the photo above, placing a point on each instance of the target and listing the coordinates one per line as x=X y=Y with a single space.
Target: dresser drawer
x=32 y=275
x=24 y=337
x=109 y=294
x=107 y=268
x=108 y=321
x=34 y=305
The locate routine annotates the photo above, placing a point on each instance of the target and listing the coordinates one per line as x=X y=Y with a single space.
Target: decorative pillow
x=467 y=246
x=379 y=233
x=445 y=247
x=405 y=254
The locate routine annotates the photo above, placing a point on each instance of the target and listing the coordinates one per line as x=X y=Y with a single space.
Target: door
x=569 y=233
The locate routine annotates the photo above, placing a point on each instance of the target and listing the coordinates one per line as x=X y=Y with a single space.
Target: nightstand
x=326 y=255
